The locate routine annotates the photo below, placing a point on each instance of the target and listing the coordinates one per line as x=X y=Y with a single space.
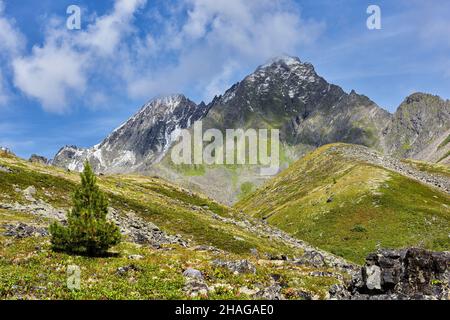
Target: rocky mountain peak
x=285 y=67
x=141 y=141
x=423 y=98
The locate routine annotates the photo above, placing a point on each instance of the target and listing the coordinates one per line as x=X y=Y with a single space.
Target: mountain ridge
x=285 y=94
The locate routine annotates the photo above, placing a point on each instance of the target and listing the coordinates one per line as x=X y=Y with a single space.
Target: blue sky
x=60 y=86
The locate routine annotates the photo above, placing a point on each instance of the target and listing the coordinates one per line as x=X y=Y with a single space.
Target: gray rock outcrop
x=400 y=274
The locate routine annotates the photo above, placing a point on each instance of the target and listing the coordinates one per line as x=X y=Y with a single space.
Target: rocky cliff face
x=420 y=129
x=141 y=141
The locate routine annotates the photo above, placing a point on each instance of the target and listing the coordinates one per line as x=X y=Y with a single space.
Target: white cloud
x=221 y=37
x=11 y=42
x=68 y=60
x=208 y=44
x=104 y=36
x=50 y=74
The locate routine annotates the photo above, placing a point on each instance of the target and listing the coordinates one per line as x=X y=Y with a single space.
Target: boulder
x=410 y=273
x=312 y=258
x=272 y=292
x=193 y=274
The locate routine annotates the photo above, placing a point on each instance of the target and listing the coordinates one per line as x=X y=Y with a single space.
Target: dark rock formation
x=38 y=159
x=400 y=274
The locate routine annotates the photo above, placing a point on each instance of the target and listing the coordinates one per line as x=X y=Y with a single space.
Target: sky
x=72 y=87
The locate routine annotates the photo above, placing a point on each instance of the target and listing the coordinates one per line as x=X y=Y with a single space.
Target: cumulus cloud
x=50 y=74
x=221 y=37
x=201 y=46
x=11 y=42
x=68 y=60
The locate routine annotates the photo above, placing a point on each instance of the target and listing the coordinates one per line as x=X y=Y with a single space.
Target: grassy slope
x=29 y=269
x=437 y=169
x=350 y=208
x=169 y=207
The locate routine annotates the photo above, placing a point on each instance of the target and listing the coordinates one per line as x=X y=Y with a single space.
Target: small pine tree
x=87 y=232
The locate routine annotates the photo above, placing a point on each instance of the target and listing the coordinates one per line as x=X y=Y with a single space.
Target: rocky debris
x=400 y=274
x=29 y=193
x=195 y=287
x=137 y=229
x=313 y=258
x=373 y=157
x=135 y=257
x=141 y=231
x=258 y=227
x=193 y=274
x=122 y=271
x=38 y=159
x=272 y=292
x=326 y=274
x=38 y=208
x=5 y=169
x=22 y=230
x=237 y=267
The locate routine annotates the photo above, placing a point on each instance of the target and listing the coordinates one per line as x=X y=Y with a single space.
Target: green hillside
x=29 y=269
x=351 y=207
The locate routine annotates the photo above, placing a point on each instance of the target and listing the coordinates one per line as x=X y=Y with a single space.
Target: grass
x=351 y=208
x=173 y=209
x=439 y=169
x=29 y=269
x=246 y=189
x=28 y=273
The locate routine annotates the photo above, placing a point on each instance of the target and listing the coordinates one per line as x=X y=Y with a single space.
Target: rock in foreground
x=400 y=274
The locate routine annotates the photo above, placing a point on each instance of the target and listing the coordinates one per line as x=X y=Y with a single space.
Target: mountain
x=420 y=129
x=139 y=142
x=351 y=200
x=284 y=94
x=289 y=95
